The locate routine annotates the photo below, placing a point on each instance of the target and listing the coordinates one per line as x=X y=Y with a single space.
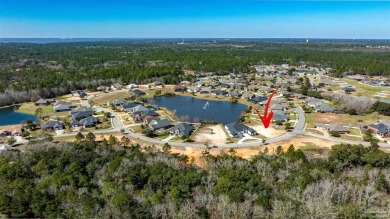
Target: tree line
x=86 y=179
x=53 y=68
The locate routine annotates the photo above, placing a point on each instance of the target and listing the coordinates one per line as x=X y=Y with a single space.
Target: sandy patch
x=204 y=135
x=269 y=132
x=73 y=99
x=195 y=154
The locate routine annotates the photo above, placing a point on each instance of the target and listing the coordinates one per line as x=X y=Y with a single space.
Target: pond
x=8 y=116
x=194 y=108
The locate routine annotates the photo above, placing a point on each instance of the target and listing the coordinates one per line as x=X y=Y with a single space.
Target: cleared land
x=365 y=90
x=313 y=118
x=217 y=136
x=269 y=132
x=111 y=96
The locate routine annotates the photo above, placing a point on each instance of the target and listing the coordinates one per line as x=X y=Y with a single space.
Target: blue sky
x=201 y=18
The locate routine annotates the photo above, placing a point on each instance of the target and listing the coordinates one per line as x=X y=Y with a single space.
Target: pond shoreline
x=11 y=116
x=192 y=109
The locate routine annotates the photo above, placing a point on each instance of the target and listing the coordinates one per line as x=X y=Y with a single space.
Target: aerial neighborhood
x=307 y=100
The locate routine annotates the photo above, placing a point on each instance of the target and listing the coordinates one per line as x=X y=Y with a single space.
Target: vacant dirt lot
x=267 y=132
x=204 y=135
x=300 y=142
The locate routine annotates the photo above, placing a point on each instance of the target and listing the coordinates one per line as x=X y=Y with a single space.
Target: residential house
x=89 y=122
x=193 y=89
x=157 y=83
x=279 y=106
x=132 y=86
x=137 y=92
x=298 y=96
x=334 y=127
x=77 y=115
x=127 y=105
x=218 y=92
x=185 y=83
x=44 y=102
x=225 y=86
x=63 y=106
x=52 y=125
x=73 y=123
x=265 y=90
x=248 y=95
x=160 y=124
x=324 y=108
x=258 y=99
x=182 y=129
x=144 y=115
x=115 y=102
x=117 y=86
x=103 y=88
x=327 y=81
x=348 y=89
x=79 y=93
x=199 y=83
x=233 y=94
x=205 y=91
x=179 y=88
x=237 y=130
x=381 y=129
x=17 y=131
x=312 y=101
x=279 y=117
x=3 y=133
x=137 y=108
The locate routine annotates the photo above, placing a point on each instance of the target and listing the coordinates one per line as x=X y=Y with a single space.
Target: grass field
x=110 y=96
x=30 y=108
x=365 y=90
x=313 y=118
x=354 y=131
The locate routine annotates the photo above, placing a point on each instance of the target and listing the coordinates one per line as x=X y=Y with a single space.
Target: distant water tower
x=307 y=40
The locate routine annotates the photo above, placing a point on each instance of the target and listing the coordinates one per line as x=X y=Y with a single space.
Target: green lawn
x=365 y=90
x=354 y=131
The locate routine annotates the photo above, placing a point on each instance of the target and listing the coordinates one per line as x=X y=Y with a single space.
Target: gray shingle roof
x=183 y=128
x=157 y=124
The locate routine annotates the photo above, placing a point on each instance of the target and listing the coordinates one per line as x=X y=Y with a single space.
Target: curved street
x=298 y=130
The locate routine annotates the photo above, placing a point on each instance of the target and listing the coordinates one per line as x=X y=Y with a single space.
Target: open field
x=318 y=148
x=313 y=118
x=30 y=108
x=269 y=132
x=365 y=90
x=217 y=136
x=111 y=96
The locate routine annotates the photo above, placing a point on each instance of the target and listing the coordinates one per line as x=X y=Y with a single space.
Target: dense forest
x=31 y=70
x=91 y=180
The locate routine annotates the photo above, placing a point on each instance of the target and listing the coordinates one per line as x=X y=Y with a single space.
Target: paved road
x=298 y=130
x=301 y=120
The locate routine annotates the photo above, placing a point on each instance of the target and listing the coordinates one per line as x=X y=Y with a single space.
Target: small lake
x=8 y=116
x=219 y=111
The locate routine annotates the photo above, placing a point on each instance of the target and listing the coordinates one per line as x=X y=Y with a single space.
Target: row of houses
x=13 y=131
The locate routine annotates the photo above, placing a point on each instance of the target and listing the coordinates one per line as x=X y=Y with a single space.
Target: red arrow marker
x=266 y=119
